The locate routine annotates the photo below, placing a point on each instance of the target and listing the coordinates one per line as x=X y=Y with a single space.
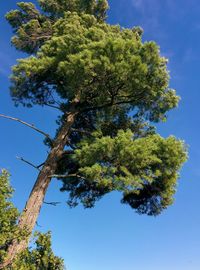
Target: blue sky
x=111 y=236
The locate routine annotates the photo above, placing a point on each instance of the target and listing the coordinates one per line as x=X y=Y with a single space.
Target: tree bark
x=31 y=211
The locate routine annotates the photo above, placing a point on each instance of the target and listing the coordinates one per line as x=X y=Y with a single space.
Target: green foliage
x=122 y=87
x=31 y=27
x=144 y=169
x=56 y=8
x=8 y=215
x=99 y=63
x=39 y=258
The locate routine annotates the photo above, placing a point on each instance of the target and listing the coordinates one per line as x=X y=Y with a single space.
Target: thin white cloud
x=139 y=4
x=190 y=55
x=147 y=5
x=149 y=11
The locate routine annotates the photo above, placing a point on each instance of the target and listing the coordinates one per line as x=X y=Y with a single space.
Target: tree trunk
x=31 y=211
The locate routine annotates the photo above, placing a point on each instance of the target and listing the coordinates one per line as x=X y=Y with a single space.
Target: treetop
x=121 y=87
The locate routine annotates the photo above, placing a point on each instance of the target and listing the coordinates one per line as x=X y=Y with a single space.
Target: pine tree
x=111 y=88
x=39 y=258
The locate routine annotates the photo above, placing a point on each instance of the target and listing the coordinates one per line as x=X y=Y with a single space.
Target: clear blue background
x=111 y=236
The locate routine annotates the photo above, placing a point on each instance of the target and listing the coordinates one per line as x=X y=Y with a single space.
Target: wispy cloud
x=149 y=11
x=139 y=4
x=177 y=10
x=153 y=12
x=172 y=8
x=144 y=5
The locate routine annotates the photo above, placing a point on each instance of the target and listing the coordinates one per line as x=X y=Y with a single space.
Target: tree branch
x=81 y=131
x=38 y=225
x=40 y=37
x=106 y=105
x=29 y=163
x=71 y=145
x=51 y=106
x=40 y=165
x=26 y=124
x=66 y=176
x=120 y=102
x=52 y=203
x=68 y=152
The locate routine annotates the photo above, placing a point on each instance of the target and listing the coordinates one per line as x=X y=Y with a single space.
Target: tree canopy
x=111 y=89
x=121 y=88
x=41 y=257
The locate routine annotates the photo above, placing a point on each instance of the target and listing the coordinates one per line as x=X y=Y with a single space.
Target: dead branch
x=40 y=165
x=66 y=176
x=29 y=163
x=52 y=203
x=26 y=124
x=38 y=225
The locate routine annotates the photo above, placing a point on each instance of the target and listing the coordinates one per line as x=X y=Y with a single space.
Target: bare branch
x=52 y=203
x=40 y=165
x=66 y=176
x=40 y=37
x=38 y=224
x=29 y=163
x=53 y=99
x=26 y=124
x=52 y=106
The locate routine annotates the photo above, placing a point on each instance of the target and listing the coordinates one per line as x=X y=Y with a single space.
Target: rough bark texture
x=32 y=209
